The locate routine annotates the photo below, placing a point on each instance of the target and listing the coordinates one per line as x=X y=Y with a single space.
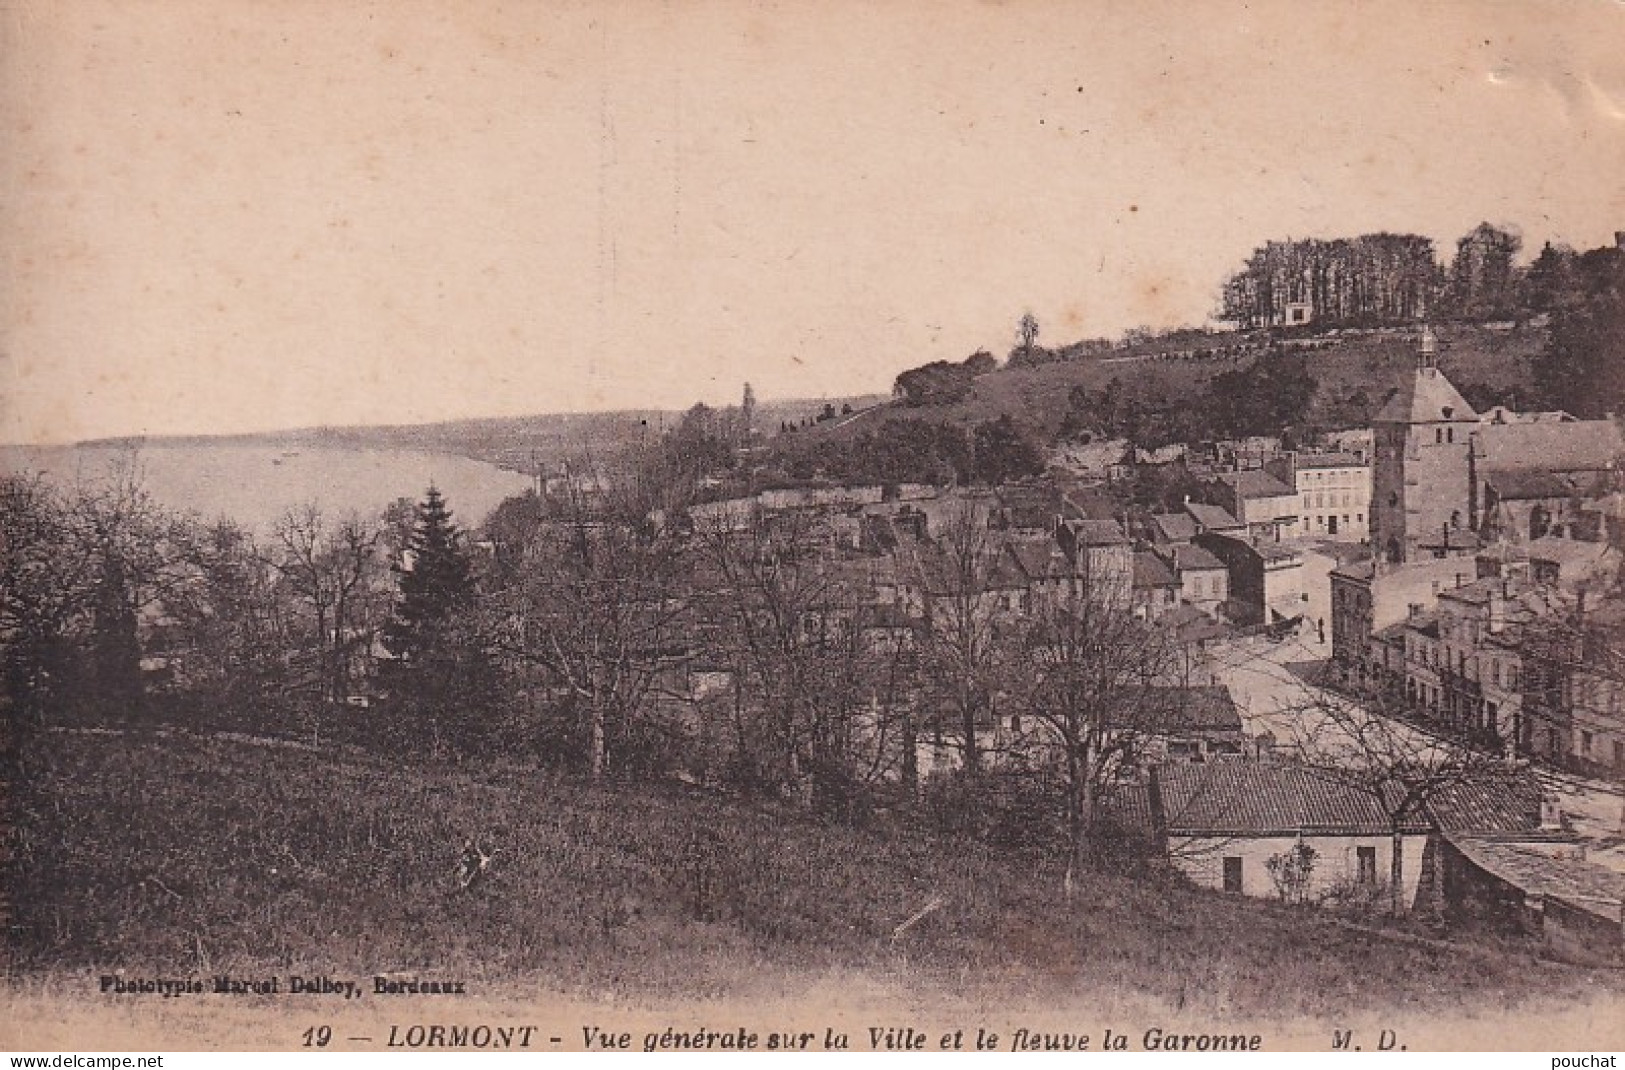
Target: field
x=169 y=854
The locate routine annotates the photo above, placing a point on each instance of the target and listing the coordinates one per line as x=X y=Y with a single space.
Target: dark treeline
x=1382 y=279
x=1263 y=398
x=909 y=450
x=1364 y=281
x=115 y=611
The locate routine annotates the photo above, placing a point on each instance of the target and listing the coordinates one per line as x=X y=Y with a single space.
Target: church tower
x=1420 y=479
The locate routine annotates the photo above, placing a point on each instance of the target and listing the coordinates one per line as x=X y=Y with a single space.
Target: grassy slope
x=197 y=855
x=1038 y=397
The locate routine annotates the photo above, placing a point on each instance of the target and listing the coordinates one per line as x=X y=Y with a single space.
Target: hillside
x=1354 y=372
x=179 y=855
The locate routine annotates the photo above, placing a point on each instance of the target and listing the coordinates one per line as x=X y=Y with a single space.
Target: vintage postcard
x=700 y=525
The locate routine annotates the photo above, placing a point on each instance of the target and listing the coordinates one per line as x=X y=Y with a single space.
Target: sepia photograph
x=723 y=525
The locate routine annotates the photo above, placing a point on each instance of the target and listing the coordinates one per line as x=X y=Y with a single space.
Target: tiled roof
x=1477 y=593
x=1125 y=811
x=1097 y=532
x=1212 y=517
x=1177 y=709
x=1356 y=570
x=1586 y=885
x=1040 y=560
x=1150 y=571
x=1534 y=484
x=1087 y=503
x=1581 y=446
x=1191 y=625
x=1274 y=551
x=1256 y=483
x=1264 y=799
x=1174 y=527
x=1488 y=802
x=1426 y=396
x=1193 y=559
x=1329 y=460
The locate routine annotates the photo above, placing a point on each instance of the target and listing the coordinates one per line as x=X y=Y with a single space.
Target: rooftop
x=1488 y=802
x=1040 y=559
x=1151 y=571
x=1536 y=872
x=1330 y=460
x=1097 y=532
x=1190 y=625
x=1178 y=709
x=1173 y=527
x=1533 y=484
x=1580 y=446
x=1426 y=396
x=1192 y=559
x=1256 y=483
x=1212 y=517
x=1264 y=799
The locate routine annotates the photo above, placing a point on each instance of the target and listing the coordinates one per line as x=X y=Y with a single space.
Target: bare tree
x=792 y=626
x=1367 y=747
x=44 y=588
x=1027 y=331
x=1085 y=677
x=83 y=567
x=234 y=616
x=596 y=608
x=333 y=570
x=960 y=633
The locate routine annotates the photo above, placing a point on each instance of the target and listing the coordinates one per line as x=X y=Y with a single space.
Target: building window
x=1585 y=744
x=1366 y=857
x=1232 y=875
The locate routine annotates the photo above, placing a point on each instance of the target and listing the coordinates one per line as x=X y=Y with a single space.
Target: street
x=1268 y=682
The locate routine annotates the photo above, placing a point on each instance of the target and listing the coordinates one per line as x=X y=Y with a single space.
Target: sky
x=225 y=215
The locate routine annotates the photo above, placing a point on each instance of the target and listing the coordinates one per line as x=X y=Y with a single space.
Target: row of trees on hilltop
x=1377 y=279
x=1372 y=279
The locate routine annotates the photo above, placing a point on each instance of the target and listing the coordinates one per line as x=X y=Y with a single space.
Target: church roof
x=1580 y=446
x=1426 y=397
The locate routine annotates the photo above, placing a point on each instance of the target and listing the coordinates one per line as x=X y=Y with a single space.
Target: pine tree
x=441 y=679
x=435 y=582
